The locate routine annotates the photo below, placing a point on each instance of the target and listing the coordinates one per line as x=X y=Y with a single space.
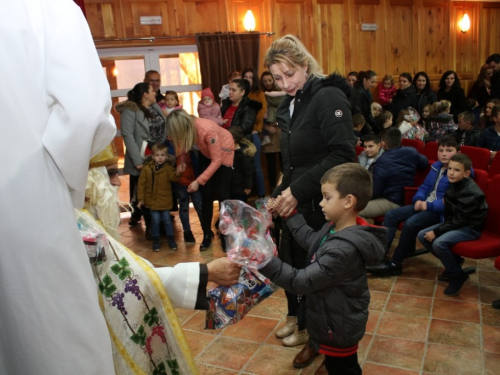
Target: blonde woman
x=216 y=147
x=317 y=135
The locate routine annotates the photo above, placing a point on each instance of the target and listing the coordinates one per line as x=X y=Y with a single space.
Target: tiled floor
x=412 y=329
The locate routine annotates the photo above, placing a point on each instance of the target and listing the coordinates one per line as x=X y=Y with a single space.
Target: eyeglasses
x=113 y=173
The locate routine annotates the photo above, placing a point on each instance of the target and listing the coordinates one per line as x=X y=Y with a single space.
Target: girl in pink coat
x=216 y=148
x=208 y=108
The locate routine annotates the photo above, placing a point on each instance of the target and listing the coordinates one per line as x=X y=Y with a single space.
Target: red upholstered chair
x=481 y=179
x=496 y=304
x=479 y=156
x=418 y=145
x=431 y=150
x=494 y=168
x=488 y=245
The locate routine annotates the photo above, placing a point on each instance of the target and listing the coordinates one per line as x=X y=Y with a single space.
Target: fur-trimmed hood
x=121 y=106
x=248 y=147
x=335 y=80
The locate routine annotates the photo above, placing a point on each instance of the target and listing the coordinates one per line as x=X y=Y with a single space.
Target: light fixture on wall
x=464 y=23
x=249 y=21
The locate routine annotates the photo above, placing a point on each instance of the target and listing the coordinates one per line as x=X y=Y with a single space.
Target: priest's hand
x=223 y=272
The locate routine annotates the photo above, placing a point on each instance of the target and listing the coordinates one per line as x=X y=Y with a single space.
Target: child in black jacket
x=464 y=216
x=334 y=277
x=242 y=176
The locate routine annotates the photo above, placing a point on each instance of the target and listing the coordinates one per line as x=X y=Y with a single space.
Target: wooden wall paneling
x=435 y=35
x=367 y=50
x=400 y=49
x=201 y=16
x=464 y=47
x=104 y=18
x=489 y=34
x=294 y=17
x=261 y=10
x=132 y=10
x=329 y=18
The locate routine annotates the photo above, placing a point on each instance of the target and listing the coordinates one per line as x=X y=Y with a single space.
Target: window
x=179 y=68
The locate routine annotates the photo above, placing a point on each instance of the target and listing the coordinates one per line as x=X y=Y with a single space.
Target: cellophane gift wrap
x=249 y=243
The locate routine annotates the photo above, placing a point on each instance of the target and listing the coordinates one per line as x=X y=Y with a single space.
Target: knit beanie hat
x=207 y=92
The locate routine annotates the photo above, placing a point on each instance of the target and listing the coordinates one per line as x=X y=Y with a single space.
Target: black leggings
x=272 y=168
x=218 y=186
x=138 y=213
x=343 y=365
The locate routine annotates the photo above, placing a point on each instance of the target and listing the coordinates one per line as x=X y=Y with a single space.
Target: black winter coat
x=471 y=137
x=361 y=101
x=457 y=98
x=426 y=97
x=318 y=136
x=242 y=176
x=334 y=280
x=402 y=100
x=245 y=115
x=464 y=205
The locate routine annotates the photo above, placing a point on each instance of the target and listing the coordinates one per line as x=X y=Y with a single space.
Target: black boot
x=207 y=242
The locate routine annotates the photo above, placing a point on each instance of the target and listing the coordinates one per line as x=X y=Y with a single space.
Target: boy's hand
x=247 y=191
x=430 y=236
x=140 y=204
x=180 y=169
x=418 y=206
x=423 y=206
x=224 y=121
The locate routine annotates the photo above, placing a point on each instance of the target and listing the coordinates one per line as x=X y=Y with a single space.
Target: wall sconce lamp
x=249 y=21
x=464 y=23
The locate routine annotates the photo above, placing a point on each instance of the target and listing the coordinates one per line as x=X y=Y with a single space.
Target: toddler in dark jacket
x=242 y=175
x=464 y=215
x=334 y=277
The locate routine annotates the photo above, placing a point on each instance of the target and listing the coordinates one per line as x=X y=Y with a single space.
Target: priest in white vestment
x=55 y=105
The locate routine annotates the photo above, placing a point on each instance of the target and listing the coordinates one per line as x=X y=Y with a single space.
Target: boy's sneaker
x=386 y=270
x=207 y=242
x=496 y=304
x=188 y=237
x=445 y=276
x=156 y=244
x=171 y=243
x=266 y=140
x=456 y=284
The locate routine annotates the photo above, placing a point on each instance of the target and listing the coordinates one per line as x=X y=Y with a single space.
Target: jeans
x=343 y=365
x=414 y=222
x=183 y=196
x=259 y=175
x=440 y=247
x=377 y=207
x=157 y=217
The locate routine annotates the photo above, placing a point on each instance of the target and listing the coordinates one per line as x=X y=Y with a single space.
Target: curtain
x=81 y=4
x=221 y=53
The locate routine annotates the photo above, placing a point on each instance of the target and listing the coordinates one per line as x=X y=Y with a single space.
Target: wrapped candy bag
x=228 y=305
x=248 y=240
x=248 y=243
x=95 y=242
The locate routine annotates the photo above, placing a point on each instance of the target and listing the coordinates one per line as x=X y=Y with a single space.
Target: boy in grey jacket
x=334 y=278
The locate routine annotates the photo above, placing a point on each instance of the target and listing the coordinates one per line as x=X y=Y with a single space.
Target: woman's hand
x=139 y=167
x=270 y=129
x=193 y=186
x=288 y=203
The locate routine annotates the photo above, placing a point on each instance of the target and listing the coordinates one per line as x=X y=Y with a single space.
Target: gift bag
x=228 y=305
x=249 y=244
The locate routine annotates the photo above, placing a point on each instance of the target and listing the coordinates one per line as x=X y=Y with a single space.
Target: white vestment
x=54 y=105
